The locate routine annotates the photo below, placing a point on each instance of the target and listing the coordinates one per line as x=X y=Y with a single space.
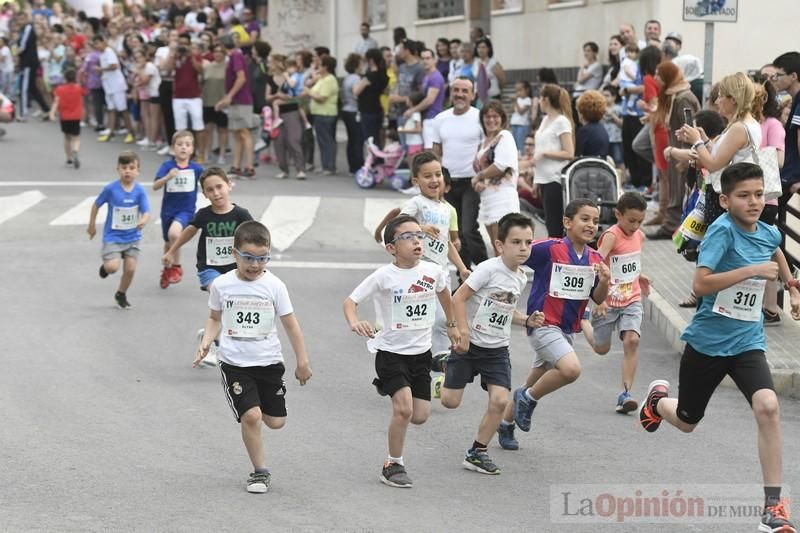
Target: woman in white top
x=485 y=63
x=497 y=167
x=555 y=147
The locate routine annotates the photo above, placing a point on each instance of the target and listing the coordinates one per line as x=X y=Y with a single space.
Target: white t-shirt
x=491 y=309
x=413 y=122
x=460 y=136
x=6 y=60
x=155 y=79
x=405 y=303
x=159 y=58
x=522 y=119
x=113 y=80
x=434 y=213
x=253 y=307
x=548 y=139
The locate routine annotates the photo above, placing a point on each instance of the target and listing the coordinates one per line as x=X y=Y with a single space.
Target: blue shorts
x=206 y=277
x=182 y=218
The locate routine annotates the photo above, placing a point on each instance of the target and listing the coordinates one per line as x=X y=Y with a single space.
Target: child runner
x=68 y=101
x=244 y=304
x=217 y=224
x=567 y=272
x=179 y=177
x=405 y=293
x=621 y=246
x=726 y=335
x=485 y=306
x=128 y=212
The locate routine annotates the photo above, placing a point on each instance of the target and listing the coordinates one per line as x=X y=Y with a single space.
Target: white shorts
x=117 y=101
x=550 y=344
x=427 y=133
x=188 y=108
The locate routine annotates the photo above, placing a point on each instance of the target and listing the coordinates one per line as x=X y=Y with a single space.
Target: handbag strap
x=753 y=150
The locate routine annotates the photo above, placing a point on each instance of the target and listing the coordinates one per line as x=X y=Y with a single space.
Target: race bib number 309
x=571 y=282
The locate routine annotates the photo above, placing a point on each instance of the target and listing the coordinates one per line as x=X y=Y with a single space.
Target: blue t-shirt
x=727 y=247
x=124 y=210
x=179 y=202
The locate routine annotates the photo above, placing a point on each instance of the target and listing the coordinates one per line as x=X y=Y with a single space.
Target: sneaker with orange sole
x=776 y=519
x=648 y=416
x=175 y=274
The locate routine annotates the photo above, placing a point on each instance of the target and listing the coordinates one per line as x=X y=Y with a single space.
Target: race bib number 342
x=415 y=310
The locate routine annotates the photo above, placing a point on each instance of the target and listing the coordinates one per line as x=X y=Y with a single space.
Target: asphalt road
x=104 y=425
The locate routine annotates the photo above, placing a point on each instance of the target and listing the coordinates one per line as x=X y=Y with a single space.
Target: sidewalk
x=672 y=281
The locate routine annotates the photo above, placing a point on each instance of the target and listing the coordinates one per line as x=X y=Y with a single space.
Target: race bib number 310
x=741 y=301
x=571 y=282
x=415 y=310
x=247 y=317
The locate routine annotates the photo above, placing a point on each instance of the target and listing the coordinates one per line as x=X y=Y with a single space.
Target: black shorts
x=254 y=386
x=700 y=375
x=212 y=116
x=493 y=364
x=396 y=371
x=71 y=127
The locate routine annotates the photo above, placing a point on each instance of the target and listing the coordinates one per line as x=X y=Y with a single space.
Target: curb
x=670 y=324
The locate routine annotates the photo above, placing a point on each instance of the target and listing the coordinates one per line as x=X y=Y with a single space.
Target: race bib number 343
x=415 y=310
x=571 y=282
x=247 y=317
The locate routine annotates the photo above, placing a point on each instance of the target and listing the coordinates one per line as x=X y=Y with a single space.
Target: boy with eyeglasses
x=244 y=304
x=405 y=294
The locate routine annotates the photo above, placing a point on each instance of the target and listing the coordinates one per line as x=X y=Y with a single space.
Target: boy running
x=244 y=304
x=621 y=246
x=405 y=294
x=179 y=178
x=485 y=307
x=128 y=212
x=567 y=272
x=68 y=101
x=738 y=255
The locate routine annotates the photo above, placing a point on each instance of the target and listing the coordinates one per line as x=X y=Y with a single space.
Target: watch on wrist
x=452 y=324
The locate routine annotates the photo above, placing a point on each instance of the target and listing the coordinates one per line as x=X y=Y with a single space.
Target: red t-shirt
x=186 y=84
x=70 y=101
x=660 y=133
x=77 y=42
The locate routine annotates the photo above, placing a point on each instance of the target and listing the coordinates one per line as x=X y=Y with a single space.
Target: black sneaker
x=771 y=319
x=258 y=482
x=395 y=475
x=122 y=301
x=479 y=461
x=776 y=519
x=439 y=362
x=103 y=273
x=648 y=417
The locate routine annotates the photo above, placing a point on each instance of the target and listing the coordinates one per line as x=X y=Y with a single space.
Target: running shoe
x=164 y=281
x=523 y=409
x=248 y=173
x=395 y=475
x=103 y=273
x=258 y=482
x=776 y=519
x=221 y=160
x=122 y=300
x=301 y=175
x=648 y=417
x=771 y=319
x=129 y=139
x=439 y=362
x=143 y=142
x=164 y=150
x=479 y=461
x=505 y=436
x=281 y=176
x=625 y=403
x=105 y=138
x=174 y=274
x=437 y=387
x=75 y=161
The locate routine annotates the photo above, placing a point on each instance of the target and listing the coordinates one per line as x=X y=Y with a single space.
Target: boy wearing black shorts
x=405 y=293
x=244 y=304
x=68 y=101
x=738 y=255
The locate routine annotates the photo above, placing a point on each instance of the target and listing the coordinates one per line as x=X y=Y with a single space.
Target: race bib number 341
x=571 y=282
x=125 y=218
x=415 y=310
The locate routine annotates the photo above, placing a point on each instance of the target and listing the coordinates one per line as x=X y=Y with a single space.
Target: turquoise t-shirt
x=727 y=247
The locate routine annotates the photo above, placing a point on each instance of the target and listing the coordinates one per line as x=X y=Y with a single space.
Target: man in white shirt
x=457 y=134
x=690 y=65
x=365 y=42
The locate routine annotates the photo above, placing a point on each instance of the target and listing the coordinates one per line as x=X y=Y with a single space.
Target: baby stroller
x=596 y=179
x=382 y=165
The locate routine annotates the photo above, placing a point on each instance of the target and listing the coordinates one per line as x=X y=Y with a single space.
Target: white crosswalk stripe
x=288 y=217
x=376 y=208
x=11 y=206
x=79 y=214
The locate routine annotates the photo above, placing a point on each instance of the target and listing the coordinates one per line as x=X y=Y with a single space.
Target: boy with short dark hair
x=244 y=304
x=68 y=101
x=621 y=246
x=485 y=307
x=128 y=212
x=738 y=255
x=405 y=294
x=567 y=273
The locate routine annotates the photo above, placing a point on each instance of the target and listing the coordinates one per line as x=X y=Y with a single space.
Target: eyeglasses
x=409 y=235
x=250 y=258
x=777 y=75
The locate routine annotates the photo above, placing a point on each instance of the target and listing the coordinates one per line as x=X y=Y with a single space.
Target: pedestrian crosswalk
x=11 y=206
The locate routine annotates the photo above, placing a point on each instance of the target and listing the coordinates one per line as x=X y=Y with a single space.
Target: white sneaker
x=36 y=113
x=281 y=176
x=221 y=160
x=83 y=124
x=121 y=131
x=164 y=150
x=143 y=142
x=104 y=132
x=260 y=145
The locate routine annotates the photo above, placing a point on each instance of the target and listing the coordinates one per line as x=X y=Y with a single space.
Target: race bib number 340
x=494 y=318
x=247 y=317
x=571 y=282
x=415 y=310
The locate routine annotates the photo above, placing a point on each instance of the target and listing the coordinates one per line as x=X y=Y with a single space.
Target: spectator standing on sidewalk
x=787 y=78
x=489 y=74
x=457 y=134
x=355 y=140
x=410 y=74
x=238 y=100
x=590 y=75
x=365 y=42
x=368 y=91
x=324 y=95
x=433 y=89
x=187 y=96
x=28 y=62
